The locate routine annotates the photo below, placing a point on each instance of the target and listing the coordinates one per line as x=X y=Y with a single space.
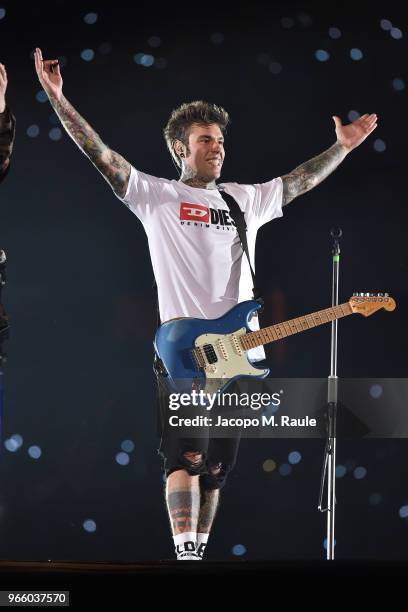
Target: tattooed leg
x=208 y=508
x=183 y=501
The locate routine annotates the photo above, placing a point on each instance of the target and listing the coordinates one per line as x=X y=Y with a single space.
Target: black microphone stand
x=329 y=461
x=4 y=330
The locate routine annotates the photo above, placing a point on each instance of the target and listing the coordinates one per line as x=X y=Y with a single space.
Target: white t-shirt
x=198 y=262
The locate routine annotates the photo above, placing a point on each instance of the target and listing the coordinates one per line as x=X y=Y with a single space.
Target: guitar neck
x=294 y=326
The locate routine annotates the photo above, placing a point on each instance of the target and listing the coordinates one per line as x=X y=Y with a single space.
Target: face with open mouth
x=215 y=161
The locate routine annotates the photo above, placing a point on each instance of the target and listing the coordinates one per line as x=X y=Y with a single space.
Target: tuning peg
x=385 y=294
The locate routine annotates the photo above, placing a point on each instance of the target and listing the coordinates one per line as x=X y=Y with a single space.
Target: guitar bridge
x=198 y=358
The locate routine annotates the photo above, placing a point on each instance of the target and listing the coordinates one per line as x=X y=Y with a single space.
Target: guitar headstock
x=368 y=303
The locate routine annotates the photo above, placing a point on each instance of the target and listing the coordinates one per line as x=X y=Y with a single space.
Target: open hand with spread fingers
x=49 y=75
x=353 y=134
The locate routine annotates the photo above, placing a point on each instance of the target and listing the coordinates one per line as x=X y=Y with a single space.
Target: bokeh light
x=269 y=465
x=122 y=458
x=55 y=134
x=321 y=55
x=33 y=131
x=360 y=472
x=238 y=550
x=34 y=452
x=91 y=18
x=356 y=54
x=89 y=525
x=87 y=55
x=379 y=145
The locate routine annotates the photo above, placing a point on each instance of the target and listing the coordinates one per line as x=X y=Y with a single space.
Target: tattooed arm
x=113 y=167
x=311 y=173
x=7 y=126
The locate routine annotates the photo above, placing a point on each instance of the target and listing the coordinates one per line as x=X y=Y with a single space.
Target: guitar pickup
x=222 y=350
x=210 y=353
x=236 y=344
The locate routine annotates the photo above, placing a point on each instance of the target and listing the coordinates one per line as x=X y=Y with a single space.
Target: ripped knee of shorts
x=193 y=462
x=215 y=477
x=215 y=469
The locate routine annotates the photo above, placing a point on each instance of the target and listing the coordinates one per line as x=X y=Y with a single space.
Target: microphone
x=336 y=233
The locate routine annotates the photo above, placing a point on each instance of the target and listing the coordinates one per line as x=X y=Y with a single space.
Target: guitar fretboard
x=294 y=326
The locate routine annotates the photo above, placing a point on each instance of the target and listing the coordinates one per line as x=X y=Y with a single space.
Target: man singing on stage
x=197 y=259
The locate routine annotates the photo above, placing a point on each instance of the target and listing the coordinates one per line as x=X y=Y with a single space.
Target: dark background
x=79 y=381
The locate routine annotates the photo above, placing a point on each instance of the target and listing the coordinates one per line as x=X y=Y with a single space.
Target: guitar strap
x=238 y=217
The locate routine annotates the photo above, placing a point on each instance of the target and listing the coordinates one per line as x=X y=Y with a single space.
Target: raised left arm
x=315 y=170
x=7 y=126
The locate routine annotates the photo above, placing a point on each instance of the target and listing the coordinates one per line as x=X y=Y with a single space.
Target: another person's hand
x=49 y=75
x=3 y=87
x=353 y=134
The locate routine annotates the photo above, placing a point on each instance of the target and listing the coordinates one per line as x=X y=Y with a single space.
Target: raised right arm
x=113 y=167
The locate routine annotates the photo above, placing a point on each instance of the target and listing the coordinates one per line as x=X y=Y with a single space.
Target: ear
x=179 y=148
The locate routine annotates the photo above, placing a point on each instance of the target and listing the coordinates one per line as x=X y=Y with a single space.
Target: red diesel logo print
x=194 y=212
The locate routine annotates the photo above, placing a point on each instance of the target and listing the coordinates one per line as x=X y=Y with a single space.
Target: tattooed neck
x=193 y=180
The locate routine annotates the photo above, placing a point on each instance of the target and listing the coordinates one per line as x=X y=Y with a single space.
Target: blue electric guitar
x=209 y=354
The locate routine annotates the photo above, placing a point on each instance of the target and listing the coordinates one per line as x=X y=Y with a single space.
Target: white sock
x=202 y=539
x=185 y=546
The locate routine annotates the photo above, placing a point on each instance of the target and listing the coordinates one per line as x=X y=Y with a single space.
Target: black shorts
x=218 y=455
